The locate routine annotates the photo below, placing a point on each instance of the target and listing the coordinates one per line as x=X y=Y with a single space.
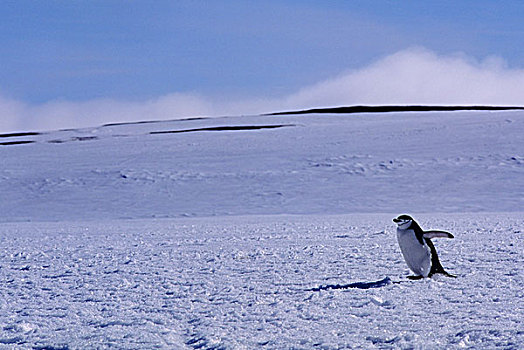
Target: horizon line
x=395 y=108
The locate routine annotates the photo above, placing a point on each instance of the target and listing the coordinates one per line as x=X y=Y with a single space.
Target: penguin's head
x=403 y=221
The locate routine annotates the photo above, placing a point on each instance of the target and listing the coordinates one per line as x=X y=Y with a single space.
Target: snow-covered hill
x=222 y=234
x=399 y=162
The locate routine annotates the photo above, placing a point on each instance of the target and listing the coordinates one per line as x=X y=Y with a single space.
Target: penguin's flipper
x=437 y=233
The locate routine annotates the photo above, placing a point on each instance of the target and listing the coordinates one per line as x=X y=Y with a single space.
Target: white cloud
x=66 y=114
x=414 y=76
x=418 y=76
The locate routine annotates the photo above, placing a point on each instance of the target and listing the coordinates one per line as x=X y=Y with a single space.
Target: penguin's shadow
x=357 y=285
x=368 y=285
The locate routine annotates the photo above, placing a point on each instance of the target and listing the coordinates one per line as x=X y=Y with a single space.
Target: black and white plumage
x=418 y=250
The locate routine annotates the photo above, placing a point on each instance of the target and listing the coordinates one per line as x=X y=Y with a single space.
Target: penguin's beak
x=396 y=220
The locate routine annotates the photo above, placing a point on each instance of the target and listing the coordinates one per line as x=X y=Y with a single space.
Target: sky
x=84 y=63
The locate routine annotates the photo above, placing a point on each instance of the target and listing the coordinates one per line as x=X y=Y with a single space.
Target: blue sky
x=133 y=51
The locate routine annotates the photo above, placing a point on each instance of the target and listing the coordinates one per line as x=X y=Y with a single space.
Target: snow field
x=245 y=282
x=140 y=235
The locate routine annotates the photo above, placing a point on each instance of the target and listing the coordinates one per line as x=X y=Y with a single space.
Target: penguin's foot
x=443 y=272
x=449 y=275
x=415 y=277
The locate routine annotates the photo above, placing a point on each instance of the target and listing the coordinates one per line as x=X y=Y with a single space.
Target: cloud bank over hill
x=418 y=76
x=412 y=76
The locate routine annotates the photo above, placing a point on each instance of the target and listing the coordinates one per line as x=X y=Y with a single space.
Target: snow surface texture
x=246 y=282
x=316 y=164
x=97 y=249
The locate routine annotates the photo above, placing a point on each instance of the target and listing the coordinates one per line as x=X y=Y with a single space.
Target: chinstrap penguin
x=418 y=250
